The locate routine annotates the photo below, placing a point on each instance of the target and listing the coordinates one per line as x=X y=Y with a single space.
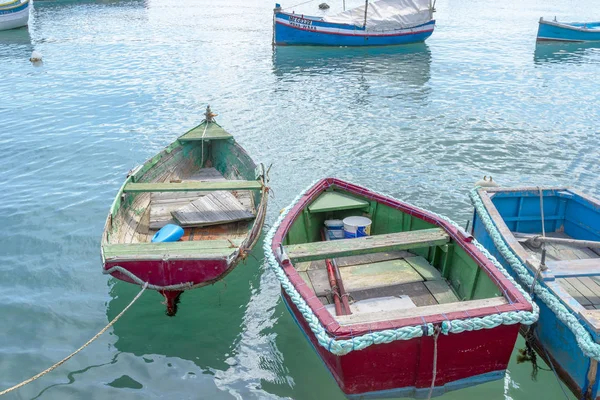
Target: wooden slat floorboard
x=216 y=208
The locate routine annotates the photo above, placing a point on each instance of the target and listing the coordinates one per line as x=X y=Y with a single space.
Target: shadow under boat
x=563 y=52
x=205 y=332
x=15 y=43
x=412 y=59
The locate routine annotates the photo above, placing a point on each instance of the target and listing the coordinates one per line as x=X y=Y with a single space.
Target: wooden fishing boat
x=568 y=31
x=14 y=14
x=562 y=253
x=379 y=23
x=412 y=309
x=9 y=3
x=204 y=182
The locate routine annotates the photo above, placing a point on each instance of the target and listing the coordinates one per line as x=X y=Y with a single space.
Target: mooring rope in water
x=64 y=360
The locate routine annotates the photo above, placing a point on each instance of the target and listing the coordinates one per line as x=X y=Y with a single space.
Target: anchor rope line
x=64 y=360
x=435 y=356
x=583 y=338
x=344 y=346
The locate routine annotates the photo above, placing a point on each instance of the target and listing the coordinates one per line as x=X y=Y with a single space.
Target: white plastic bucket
x=335 y=229
x=357 y=227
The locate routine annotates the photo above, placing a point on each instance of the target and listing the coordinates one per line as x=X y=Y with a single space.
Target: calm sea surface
x=122 y=79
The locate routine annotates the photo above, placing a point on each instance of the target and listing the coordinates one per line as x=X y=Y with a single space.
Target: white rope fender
x=64 y=360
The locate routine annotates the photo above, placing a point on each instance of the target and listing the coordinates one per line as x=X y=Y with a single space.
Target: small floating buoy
x=323 y=6
x=486 y=183
x=35 y=57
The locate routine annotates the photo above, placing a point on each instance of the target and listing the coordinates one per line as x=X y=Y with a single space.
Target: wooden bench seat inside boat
x=150 y=251
x=575 y=269
x=190 y=186
x=368 y=244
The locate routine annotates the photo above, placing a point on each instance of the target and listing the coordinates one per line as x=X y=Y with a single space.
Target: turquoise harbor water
x=121 y=79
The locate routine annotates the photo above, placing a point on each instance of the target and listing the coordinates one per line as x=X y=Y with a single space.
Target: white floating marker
x=35 y=56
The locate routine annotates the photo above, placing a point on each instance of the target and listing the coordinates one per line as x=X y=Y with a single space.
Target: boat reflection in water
x=566 y=52
x=387 y=72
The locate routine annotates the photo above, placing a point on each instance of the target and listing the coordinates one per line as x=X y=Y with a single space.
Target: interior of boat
x=572 y=226
x=405 y=266
x=204 y=182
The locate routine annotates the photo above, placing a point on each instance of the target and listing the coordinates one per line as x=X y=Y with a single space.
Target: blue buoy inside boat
x=168 y=233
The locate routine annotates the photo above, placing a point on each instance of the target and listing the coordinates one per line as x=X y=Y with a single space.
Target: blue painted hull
x=568 y=32
x=565 y=211
x=294 y=29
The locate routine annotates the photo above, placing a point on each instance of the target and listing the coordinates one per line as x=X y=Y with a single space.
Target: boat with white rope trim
x=187 y=216
x=397 y=301
x=549 y=240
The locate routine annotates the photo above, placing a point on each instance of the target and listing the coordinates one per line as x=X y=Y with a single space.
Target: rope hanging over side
x=64 y=360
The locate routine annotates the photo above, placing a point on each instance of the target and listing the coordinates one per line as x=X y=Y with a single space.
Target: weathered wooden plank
x=576 y=294
x=592 y=317
x=320 y=281
x=310 y=265
x=594 y=294
x=367 y=244
x=419 y=311
x=426 y=270
x=417 y=291
x=191 y=186
x=371 y=258
x=378 y=305
x=217 y=208
x=143 y=249
x=582 y=289
x=206 y=174
x=330 y=201
x=441 y=291
x=572 y=268
x=376 y=275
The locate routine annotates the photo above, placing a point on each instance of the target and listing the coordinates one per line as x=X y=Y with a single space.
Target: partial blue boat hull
x=296 y=29
x=566 y=211
x=568 y=32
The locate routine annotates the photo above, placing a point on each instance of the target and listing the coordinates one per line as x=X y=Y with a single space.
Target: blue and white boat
x=568 y=31
x=377 y=23
x=549 y=240
x=14 y=14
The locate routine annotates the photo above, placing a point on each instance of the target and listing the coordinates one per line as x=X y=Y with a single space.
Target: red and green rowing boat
x=206 y=183
x=417 y=308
